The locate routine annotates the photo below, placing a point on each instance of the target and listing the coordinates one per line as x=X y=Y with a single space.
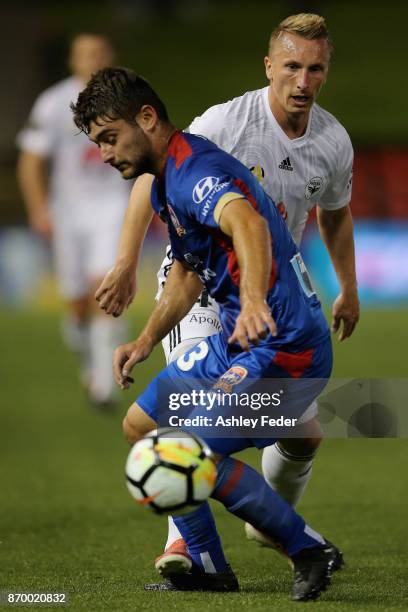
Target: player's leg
x=287 y=465
x=105 y=332
x=137 y=423
x=241 y=489
x=140 y=419
x=202 y=321
x=245 y=493
x=74 y=324
x=68 y=250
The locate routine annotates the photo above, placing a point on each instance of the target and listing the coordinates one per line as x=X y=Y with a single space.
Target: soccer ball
x=170 y=471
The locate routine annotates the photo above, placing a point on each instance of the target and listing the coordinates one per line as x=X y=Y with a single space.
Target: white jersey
x=298 y=174
x=87 y=198
x=79 y=180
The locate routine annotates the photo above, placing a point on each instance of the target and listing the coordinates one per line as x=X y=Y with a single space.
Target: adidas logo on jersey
x=286 y=165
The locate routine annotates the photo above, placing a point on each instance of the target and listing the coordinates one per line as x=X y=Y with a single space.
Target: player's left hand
x=253 y=323
x=346 y=310
x=126 y=356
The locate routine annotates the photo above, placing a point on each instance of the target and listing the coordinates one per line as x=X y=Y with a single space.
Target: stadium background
x=67 y=522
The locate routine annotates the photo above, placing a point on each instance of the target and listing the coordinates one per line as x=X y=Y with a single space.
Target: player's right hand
x=128 y=355
x=253 y=324
x=117 y=290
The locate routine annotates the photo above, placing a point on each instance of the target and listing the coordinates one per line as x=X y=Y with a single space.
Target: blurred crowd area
x=200 y=53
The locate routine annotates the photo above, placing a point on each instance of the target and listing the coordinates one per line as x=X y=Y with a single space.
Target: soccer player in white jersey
x=77 y=201
x=304 y=157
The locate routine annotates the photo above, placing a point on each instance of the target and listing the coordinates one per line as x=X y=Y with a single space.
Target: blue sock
x=246 y=494
x=200 y=534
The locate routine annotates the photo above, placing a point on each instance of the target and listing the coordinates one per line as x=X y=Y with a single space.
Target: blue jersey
x=197 y=175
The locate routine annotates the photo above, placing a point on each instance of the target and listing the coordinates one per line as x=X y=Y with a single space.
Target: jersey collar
x=179 y=149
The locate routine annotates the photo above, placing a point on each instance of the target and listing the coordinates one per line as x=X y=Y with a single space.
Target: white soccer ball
x=170 y=471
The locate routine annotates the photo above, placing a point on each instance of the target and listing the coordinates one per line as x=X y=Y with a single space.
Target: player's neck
x=293 y=124
x=161 y=145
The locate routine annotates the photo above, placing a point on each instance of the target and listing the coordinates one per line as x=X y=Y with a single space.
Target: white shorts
x=202 y=321
x=85 y=247
x=198 y=324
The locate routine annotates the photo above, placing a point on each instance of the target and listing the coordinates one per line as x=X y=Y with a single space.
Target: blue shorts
x=213 y=364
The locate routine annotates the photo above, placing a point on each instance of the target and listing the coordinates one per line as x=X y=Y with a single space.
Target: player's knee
x=310 y=445
x=131 y=432
x=301 y=447
x=308 y=438
x=136 y=424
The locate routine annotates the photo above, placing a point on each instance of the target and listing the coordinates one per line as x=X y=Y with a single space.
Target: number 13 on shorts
x=186 y=362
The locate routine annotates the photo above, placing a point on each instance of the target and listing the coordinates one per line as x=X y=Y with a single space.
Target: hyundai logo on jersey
x=203 y=188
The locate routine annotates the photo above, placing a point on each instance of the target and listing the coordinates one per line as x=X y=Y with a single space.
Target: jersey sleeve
x=338 y=192
x=209 y=187
x=213 y=124
x=38 y=134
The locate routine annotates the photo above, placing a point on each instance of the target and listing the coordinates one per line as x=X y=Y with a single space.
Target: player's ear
x=268 y=67
x=147 y=117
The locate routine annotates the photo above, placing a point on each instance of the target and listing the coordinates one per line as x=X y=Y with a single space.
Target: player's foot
x=311 y=574
x=106 y=405
x=335 y=555
x=197 y=580
x=102 y=402
x=252 y=534
x=174 y=560
x=263 y=539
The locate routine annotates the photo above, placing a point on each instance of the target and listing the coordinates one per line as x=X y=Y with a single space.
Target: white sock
x=105 y=335
x=286 y=474
x=173 y=534
x=75 y=334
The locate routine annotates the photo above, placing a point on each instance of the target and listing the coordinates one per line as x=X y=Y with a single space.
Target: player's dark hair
x=115 y=93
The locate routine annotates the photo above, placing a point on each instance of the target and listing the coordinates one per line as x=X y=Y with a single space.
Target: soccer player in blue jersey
x=226 y=236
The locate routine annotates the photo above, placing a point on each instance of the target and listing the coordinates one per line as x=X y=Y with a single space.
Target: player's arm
x=181 y=291
x=32 y=178
x=252 y=245
x=118 y=288
x=336 y=230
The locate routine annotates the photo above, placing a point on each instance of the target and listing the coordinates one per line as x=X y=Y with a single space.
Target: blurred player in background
x=75 y=200
x=303 y=157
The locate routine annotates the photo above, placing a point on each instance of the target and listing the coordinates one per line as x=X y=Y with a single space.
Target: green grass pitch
x=68 y=524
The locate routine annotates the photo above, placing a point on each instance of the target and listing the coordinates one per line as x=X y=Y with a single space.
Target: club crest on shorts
x=232 y=377
x=177 y=225
x=313 y=186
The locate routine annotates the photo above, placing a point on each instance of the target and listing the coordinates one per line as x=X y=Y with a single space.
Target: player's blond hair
x=307 y=25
